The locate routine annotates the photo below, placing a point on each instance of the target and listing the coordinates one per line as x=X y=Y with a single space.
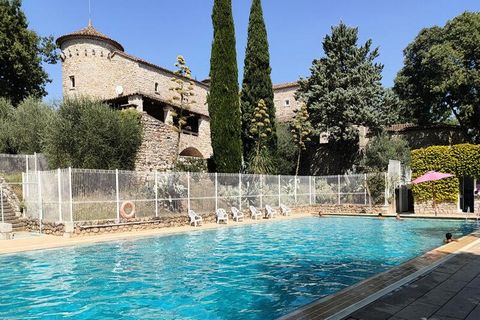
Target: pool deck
x=443 y=284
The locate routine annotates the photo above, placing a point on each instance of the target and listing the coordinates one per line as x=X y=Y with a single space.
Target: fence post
x=310 y=189
x=338 y=190
x=1 y=198
x=365 y=187
x=70 y=193
x=240 y=191
x=295 y=189
x=279 y=191
x=188 y=191
x=117 y=195
x=59 y=180
x=40 y=209
x=314 y=190
x=216 y=191
x=156 y=193
x=386 y=189
x=35 y=159
x=27 y=187
x=261 y=191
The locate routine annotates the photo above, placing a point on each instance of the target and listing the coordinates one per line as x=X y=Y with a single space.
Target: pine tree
x=223 y=100
x=344 y=90
x=257 y=84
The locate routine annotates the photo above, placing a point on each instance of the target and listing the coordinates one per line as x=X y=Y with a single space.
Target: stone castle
x=95 y=65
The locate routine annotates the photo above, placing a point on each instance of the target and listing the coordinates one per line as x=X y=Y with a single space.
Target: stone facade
x=285 y=102
x=95 y=65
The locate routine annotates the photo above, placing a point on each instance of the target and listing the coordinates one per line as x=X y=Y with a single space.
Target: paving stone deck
x=443 y=284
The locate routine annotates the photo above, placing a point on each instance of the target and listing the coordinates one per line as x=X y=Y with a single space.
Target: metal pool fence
x=84 y=195
x=18 y=163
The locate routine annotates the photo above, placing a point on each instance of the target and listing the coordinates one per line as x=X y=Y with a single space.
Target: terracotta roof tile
x=286 y=85
x=92 y=33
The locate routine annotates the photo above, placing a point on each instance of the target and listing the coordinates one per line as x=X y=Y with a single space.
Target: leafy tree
x=21 y=54
x=257 y=83
x=223 y=100
x=90 y=134
x=441 y=75
x=301 y=130
x=31 y=121
x=184 y=92
x=344 y=89
x=286 y=151
x=261 y=160
x=6 y=119
x=383 y=148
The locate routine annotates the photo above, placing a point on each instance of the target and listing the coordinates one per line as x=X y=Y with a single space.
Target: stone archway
x=191 y=152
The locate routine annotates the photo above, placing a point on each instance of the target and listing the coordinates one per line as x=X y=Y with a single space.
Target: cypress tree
x=257 y=84
x=223 y=100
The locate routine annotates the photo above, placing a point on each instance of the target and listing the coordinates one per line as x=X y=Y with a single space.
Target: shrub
x=383 y=148
x=89 y=134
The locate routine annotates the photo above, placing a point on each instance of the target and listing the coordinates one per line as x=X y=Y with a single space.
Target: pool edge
x=345 y=302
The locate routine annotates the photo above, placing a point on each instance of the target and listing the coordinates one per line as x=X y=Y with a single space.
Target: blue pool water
x=249 y=272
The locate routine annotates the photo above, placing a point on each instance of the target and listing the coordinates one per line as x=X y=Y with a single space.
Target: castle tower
x=86 y=65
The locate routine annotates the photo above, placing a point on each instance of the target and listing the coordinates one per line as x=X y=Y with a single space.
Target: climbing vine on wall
x=460 y=160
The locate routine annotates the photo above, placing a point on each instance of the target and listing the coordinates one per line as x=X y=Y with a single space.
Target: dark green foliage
x=89 y=134
x=344 y=89
x=383 y=148
x=223 y=100
x=24 y=129
x=441 y=75
x=286 y=151
x=257 y=84
x=21 y=54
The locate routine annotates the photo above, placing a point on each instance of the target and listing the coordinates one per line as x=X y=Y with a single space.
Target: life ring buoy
x=125 y=205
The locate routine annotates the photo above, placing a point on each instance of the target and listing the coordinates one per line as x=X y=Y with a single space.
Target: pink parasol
x=432 y=176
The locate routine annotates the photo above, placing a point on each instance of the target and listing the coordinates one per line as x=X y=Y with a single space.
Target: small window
x=72 y=82
x=287 y=103
x=156 y=87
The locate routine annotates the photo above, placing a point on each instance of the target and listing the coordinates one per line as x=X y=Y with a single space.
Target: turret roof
x=91 y=33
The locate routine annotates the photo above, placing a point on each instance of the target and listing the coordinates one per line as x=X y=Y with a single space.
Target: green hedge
x=460 y=160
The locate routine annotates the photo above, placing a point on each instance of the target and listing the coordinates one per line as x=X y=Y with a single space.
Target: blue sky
x=159 y=30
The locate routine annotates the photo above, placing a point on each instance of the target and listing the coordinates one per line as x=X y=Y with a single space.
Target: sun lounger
x=221 y=215
x=194 y=218
x=237 y=214
x=285 y=210
x=255 y=213
x=269 y=212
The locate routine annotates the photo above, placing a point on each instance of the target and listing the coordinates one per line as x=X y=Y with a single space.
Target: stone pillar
x=136 y=100
x=168 y=115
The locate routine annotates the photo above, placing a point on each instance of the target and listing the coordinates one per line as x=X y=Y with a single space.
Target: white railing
x=83 y=195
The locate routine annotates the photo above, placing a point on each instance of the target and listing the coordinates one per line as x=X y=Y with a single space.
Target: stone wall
x=350 y=208
x=285 y=113
x=51 y=228
x=159 y=144
x=443 y=208
x=10 y=197
x=99 y=69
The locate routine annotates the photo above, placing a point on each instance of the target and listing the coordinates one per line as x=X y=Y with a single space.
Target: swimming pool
x=258 y=271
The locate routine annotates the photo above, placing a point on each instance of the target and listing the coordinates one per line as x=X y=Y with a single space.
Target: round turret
x=85 y=56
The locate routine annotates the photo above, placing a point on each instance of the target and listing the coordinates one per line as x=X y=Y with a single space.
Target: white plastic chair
x=237 y=214
x=254 y=212
x=221 y=215
x=194 y=218
x=270 y=213
x=285 y=210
